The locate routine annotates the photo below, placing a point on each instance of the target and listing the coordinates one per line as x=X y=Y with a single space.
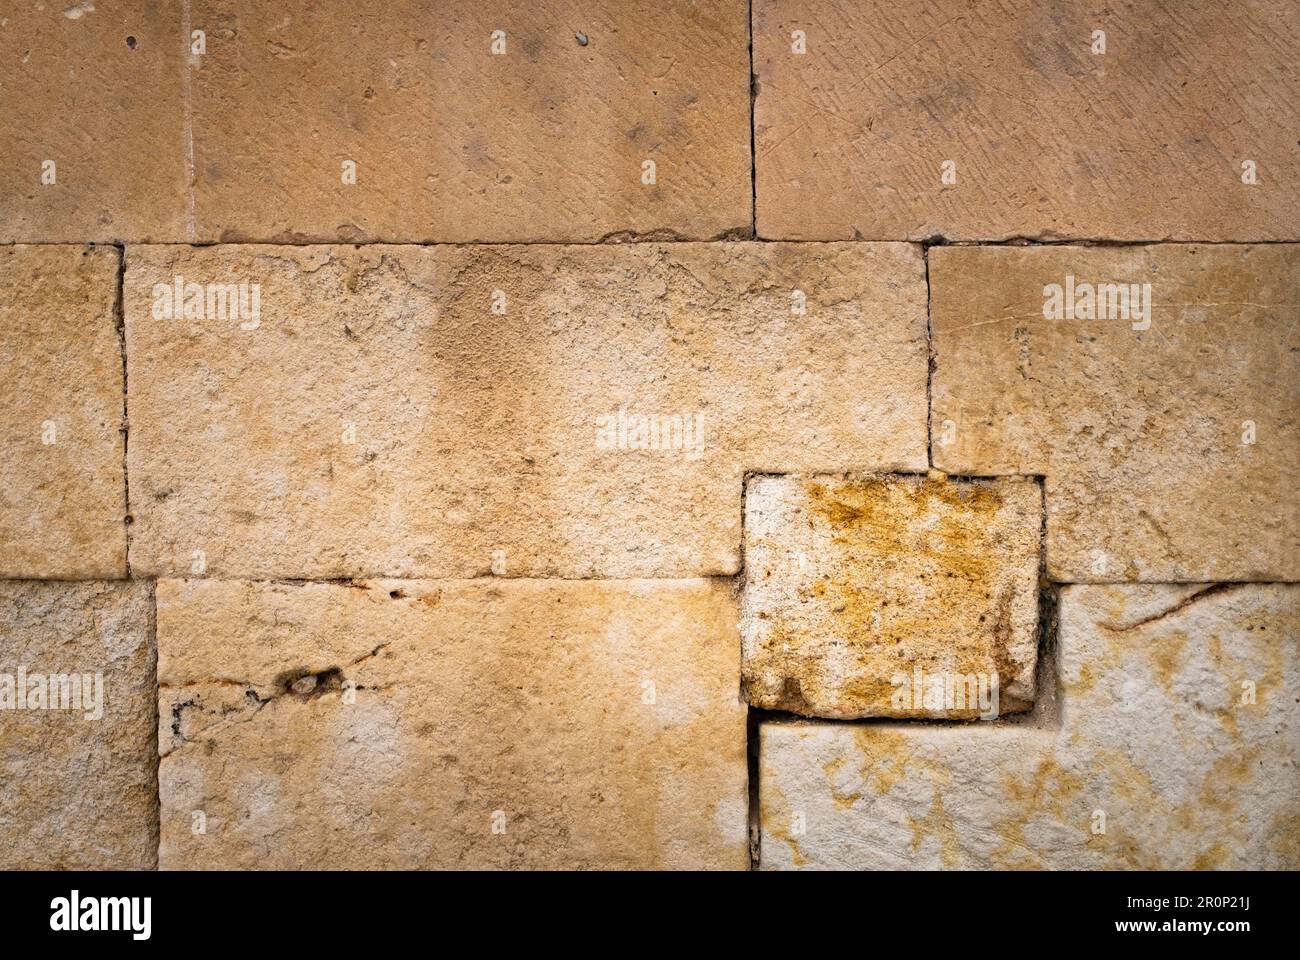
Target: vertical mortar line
x=929 y=363
x=189 y=122
x=751 y=719
x=753 y=152
x=119 y=321
x=753 y=821
x=157 y=757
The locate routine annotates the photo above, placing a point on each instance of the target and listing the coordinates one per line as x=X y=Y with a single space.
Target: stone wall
x=725 y=435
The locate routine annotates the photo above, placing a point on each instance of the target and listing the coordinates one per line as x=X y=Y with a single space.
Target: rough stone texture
x=1153 y=733
x=469 y=697
x=1139 y=432
x=79 y=793
x=478 y=432
x=110 y=116
x=62 y=503
x=452 y=143
x=852 y=582
x=1145 y=142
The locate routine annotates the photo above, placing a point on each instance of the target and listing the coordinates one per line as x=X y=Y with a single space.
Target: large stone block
x=544 y=140
x=985 y=121
x=1178 y=747
x=454 y=724
x=533 y=411
x=1169 y=435
x=62 y=488
x=78 y=754
x=93 y=132
x=890 y=595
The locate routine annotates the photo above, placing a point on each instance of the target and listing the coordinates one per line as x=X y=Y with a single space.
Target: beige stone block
x=98 y=92
x=62 y=489
x=78 y=758
x=453 y=724
x=1169 y=437
x=455 y=411
x=451 y=142
x=1045 y=138
x=1177 y=748
x=890 y=595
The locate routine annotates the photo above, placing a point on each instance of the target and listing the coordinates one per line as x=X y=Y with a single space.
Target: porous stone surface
x=545 y=140
x=862 y=595
x=62 y=488
x=80 y=782
x=98 y=92
x=1177 y=748
x=454 y=724
x=455 y=411
x=1169 y=441
x=1045 y=138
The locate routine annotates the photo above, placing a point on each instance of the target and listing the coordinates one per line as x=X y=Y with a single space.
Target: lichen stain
x=937 y=823
x=1047 y=793
x=940 y=530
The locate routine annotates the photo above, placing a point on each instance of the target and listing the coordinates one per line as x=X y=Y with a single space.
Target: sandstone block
x=1177 y=748
x=470 y=121
x=1169 y=435
x=92 y=135
x=890 y=595
x=528 y=411
x=990 y=121
x=453 y=724
x=78 y=757
x=62 y=489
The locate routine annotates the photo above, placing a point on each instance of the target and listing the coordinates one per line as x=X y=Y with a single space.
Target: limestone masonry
x=728 y=435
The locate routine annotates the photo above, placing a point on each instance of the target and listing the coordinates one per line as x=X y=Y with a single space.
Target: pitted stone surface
x=454 y=724
x=989 y=121
x=873 y=596
x=454 y=411
x=545 y=140
x=92 y=134
x=1169 y=440
x=80 y=783
x=1177 y=748
x=62 y=488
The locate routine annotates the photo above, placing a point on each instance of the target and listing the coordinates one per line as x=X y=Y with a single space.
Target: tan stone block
x=890 y=595
x=1157 y=762
x=80 y=771
x=479 y=431
x=99 y=93
x=1047 y=139
x=62 y=490
x=545 y=141
x=1143 y=426
x=452 y=724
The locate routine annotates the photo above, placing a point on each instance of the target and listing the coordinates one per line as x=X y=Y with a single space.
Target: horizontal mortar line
x=357 y=579
x=1004 y=721
x=925 y=242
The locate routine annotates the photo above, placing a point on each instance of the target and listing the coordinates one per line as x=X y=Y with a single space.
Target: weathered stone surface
x=477 y=432
x=1142 y=433
x=853 y=584
x=394 y=723
x=80 y=781
x=99 y=92
x=62 y=490
x=1145 y=142
x=545 y=141
x=1154 y=736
